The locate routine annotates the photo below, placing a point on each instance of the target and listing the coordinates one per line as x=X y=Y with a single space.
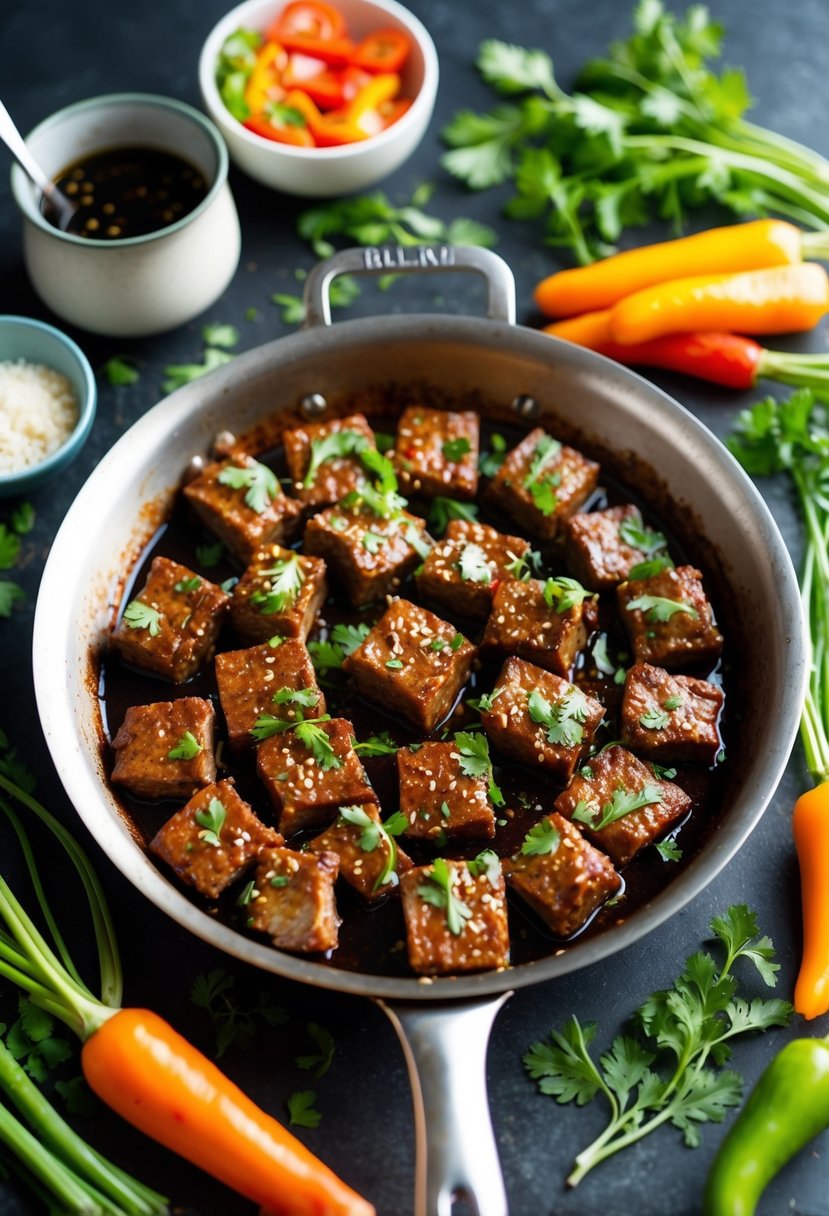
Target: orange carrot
x=143 y=1069
x=783 y=299
x=810 y=826
x=728 y=250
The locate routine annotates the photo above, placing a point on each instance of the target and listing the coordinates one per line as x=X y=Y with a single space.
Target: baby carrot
x=810 y=826
x=728 y=250
x=779 y=300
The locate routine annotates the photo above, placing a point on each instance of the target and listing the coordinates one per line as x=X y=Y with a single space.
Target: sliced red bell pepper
x=336 y=52
x=383 y=51
x=313 y=18
x=390 y=111
x=284 y=124
x=353 y=79
x=323 y=85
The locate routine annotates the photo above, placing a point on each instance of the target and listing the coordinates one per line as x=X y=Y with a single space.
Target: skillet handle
x=418 y=259
x=456 y=1155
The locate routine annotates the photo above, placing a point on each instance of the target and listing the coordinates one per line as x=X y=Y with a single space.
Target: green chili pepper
x=787 y=1108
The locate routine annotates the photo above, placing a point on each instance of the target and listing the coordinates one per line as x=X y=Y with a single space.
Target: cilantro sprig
x=439 y=890
x=309 y=732
x=475 y=760
x=563 y=720
x=286 y=577
x=234 y=1024
x=669 y=1068
x=373 y=833
x=257 y=479
x=650 y=132
x=335 y=446
x=329 y=654
x=660 y=608
x=623 y=802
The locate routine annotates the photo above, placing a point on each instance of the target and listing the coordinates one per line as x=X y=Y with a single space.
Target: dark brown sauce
x=373 y=939
x=127 y=192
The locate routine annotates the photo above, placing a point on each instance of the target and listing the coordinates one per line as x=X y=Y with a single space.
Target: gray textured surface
x=51 y=54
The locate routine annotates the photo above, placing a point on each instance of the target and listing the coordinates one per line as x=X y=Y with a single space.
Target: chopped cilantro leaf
x=562 y=594
x=337 y=445
x=185 y=585
x=654 y=719
x=301 y=1109
x=438 y=890
x=212 y=821
x=444 y=509
x=259 y=481
x=120 y=371
x=659 y=608
x=455 y=449
x=307 y=697
x=319 y=1061
x=138 y=615
x=286 y=577
x=562 y=720
x=634 y=533
x=187 y=747
x=623 y=802
x=542 y=838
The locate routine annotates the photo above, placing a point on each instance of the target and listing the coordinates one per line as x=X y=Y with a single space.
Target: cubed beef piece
x=436 y=452
x=370 y=555
x=280 y=594
x=616 y=779
x=522 y=623
x=170 y=627
x=333 y=475
x=599 y=546
x=566 y=884
x=293 y=900
x=465 y=569
x=439 y=799
x=672 y=719
x=241 y=501
x=669 y=619
x=412 y=663
x=539 y=719
x=371 y=861
x=213 y=840
x=165 y=750
x=249 y=679
x=455 y=920
x=541 y=483
x=308 y=793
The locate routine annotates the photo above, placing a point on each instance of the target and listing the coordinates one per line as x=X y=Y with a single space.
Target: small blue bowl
x=36 y=342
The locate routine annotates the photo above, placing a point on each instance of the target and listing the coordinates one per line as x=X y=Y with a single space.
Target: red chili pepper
x=336 y=52
x=325 y=87
x=719 y=358
x=383 y=51
x=495 y=584
x=295 y=134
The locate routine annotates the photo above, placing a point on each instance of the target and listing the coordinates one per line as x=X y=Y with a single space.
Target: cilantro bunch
x=669 y=1069
x=651 y=131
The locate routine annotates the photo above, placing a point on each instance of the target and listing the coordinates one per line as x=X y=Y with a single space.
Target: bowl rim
x=21 y=186
x=423 y=100
x=86 y=407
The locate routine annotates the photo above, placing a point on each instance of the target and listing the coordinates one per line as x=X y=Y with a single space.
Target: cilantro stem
x=104 y=930
x=130 y=1196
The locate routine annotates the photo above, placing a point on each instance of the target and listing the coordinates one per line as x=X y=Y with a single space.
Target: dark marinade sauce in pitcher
x=372 y=939
x=128 y=192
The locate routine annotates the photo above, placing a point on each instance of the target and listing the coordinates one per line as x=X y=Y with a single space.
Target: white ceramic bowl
x=143 y=284
x=326 y=172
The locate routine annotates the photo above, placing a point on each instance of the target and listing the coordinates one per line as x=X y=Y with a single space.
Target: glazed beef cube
x=437 y=452
x=443 y=940
x=522 y=623
x=669 y=619
x=165 y=750
x=170 y=627
x=332 y=476
x=280 y=594
x=437 y=797
x=370 y=555
x=464 y=570
x=541 y=483
x=616 y=779
x=368 y=862
x=565 y=885
x=293 y=900
x=306 y=793
x=412 y=663
x=595 y=547
x=539 y=719
x=213 y=840
x=672 y=719
x=241 y=502
x=249 y=679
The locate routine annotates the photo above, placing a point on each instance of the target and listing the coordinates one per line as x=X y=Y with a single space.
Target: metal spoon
x=62 y=207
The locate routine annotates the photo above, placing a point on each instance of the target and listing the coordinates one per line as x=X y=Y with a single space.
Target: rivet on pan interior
x=194 y=468
x=313 y=405
x=224 y=443
x=525 y=406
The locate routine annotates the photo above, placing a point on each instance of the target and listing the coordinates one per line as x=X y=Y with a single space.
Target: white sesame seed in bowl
x=47 y=402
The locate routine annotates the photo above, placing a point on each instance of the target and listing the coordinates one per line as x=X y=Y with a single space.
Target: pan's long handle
x=456 y=1156
x=419 y=259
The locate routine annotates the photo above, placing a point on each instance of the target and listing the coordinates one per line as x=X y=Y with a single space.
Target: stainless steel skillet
x=501 y=370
